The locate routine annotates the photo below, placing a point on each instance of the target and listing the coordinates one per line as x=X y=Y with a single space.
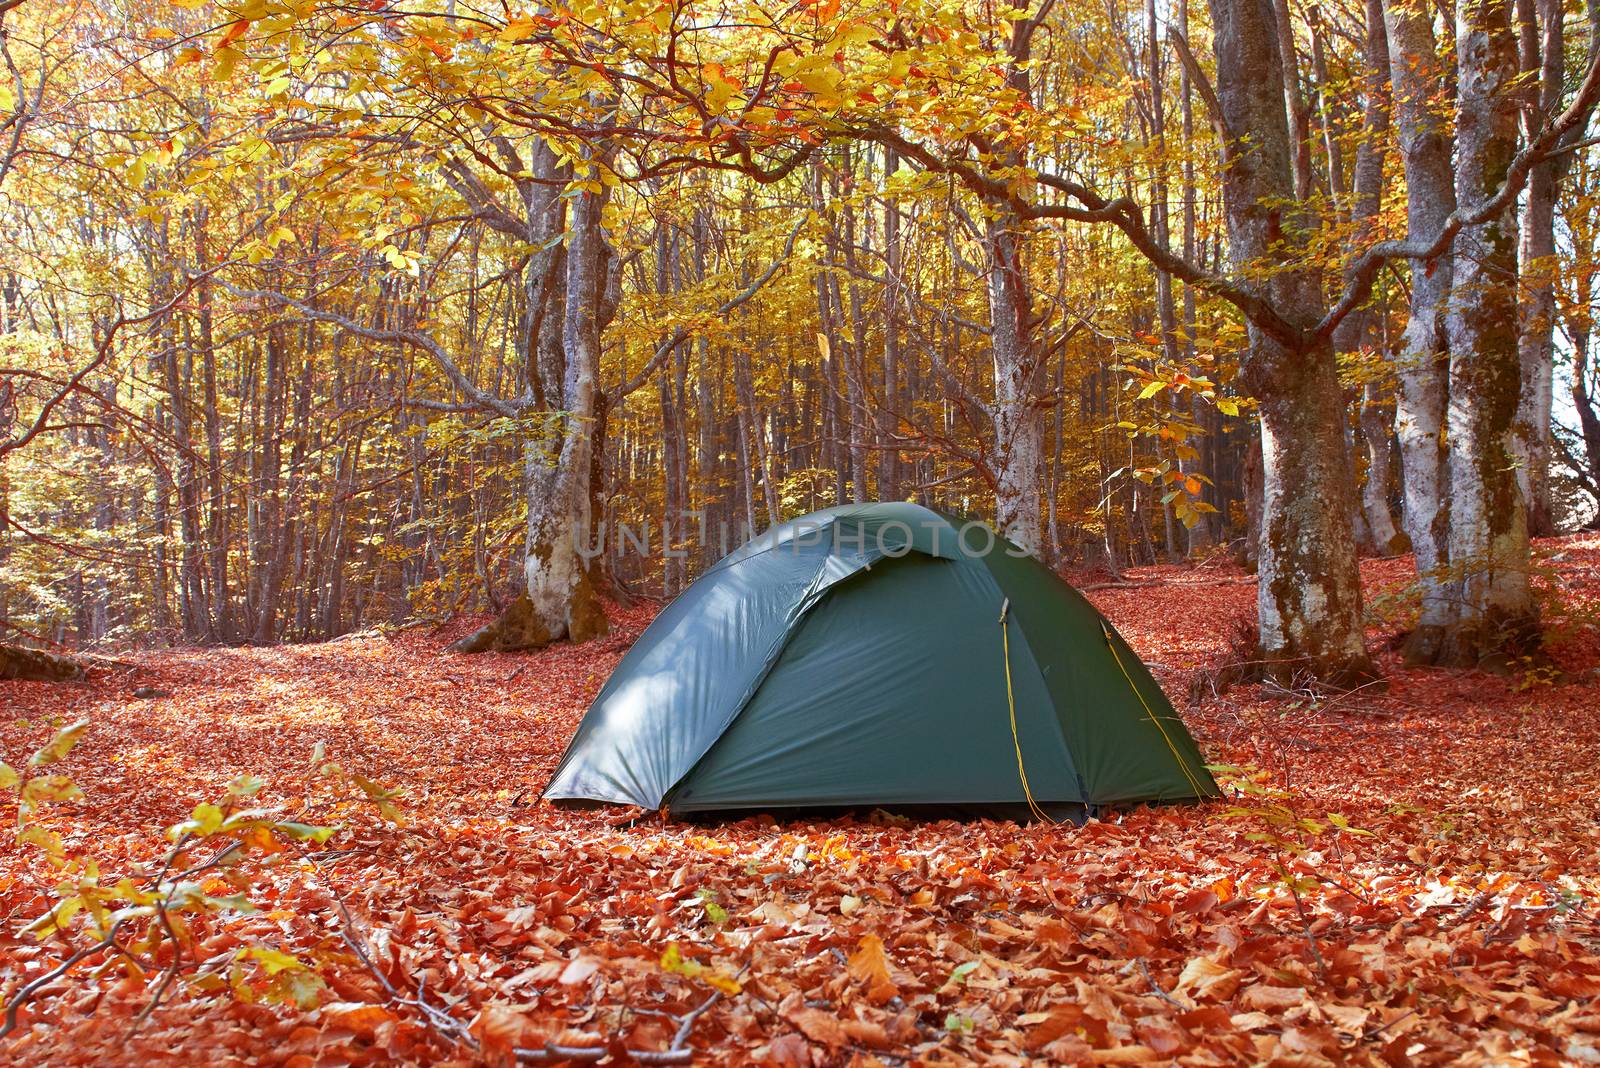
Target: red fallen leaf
x=1574 y=985
x=819 y=1026
x=1062 y=1020
x=789 y=1051
x=501 y=1028
x=1160 y=1035
x=360 y=1017
x=1213 y=1019
x=1125 y=1055
x=1272 y=998
x=867 y=1033
x=580 y=1039
x=1204 y=979
x=578 y=971
x=1200 y=901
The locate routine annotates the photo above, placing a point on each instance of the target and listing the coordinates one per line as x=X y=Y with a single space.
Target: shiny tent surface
x=856 y=657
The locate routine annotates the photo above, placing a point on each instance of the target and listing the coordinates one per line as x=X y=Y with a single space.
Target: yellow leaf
x=227 y=59
x=271 y=960
x=674 y=961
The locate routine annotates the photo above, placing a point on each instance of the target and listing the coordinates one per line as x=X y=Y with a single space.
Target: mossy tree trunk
x=1309 y=596
x=1493 y=616
x=559 y=599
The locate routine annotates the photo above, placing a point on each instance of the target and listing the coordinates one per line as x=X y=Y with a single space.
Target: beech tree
x=395 y=280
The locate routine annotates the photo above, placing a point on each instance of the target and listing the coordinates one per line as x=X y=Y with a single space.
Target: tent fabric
x=854 y=657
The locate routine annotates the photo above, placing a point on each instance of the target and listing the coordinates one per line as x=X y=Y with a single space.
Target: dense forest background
x=320 y=315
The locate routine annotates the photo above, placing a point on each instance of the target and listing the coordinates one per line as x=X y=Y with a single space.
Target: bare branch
x=102 y=352
x=1549 y=142
x=414 y=338
x=682 y=333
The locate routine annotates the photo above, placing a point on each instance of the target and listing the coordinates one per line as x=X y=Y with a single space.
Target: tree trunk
x=1493 y=616
x=1359 y=330
x=1376 y=425
x=1423 y=358
x=1018 y=436
x=893 y=297
x=19 y=662
x=1536 y=349
x=1309 y=596
x=1018 y=463
x=1588 y=417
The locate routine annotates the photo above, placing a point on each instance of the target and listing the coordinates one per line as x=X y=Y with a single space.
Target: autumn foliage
x=1402 y=876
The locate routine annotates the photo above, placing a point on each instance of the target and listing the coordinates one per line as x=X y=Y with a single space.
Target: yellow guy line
x=1011 y=702
x=1183 y=764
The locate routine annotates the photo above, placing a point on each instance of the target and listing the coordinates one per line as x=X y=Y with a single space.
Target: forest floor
x=1460 y=927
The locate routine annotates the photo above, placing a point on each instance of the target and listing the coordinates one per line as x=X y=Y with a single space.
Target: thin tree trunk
x=1360 y=330
x=1423 y=358
x=1536 y=346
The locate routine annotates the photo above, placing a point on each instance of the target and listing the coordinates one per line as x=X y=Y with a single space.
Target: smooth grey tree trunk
x=1493 y=613
x=1543 y=59
x=1360 y=329
x=1422 y=361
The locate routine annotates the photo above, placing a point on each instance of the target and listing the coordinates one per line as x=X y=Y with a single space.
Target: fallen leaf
x=870 y=966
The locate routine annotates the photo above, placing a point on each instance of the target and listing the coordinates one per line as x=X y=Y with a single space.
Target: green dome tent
x=881 y=655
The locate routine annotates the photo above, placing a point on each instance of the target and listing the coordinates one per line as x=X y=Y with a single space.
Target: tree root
x=520 y=629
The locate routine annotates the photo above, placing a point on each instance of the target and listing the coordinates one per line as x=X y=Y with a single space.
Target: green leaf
x=957 y=1024
x=382 y=799
x=59 y=746
x=673 y=960
x=958 y=976
x=8 y=777
x=246 y=786
x=714 y=912
x=1343 y=823
x=1151 y=390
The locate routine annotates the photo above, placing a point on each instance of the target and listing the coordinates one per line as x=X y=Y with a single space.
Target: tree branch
x=42 y=421
x=682 y=333
x=1549 y=142
x=414 y=338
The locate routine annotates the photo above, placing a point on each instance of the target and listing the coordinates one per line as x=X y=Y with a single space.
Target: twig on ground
x=1155 y=988
x=26 y=994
